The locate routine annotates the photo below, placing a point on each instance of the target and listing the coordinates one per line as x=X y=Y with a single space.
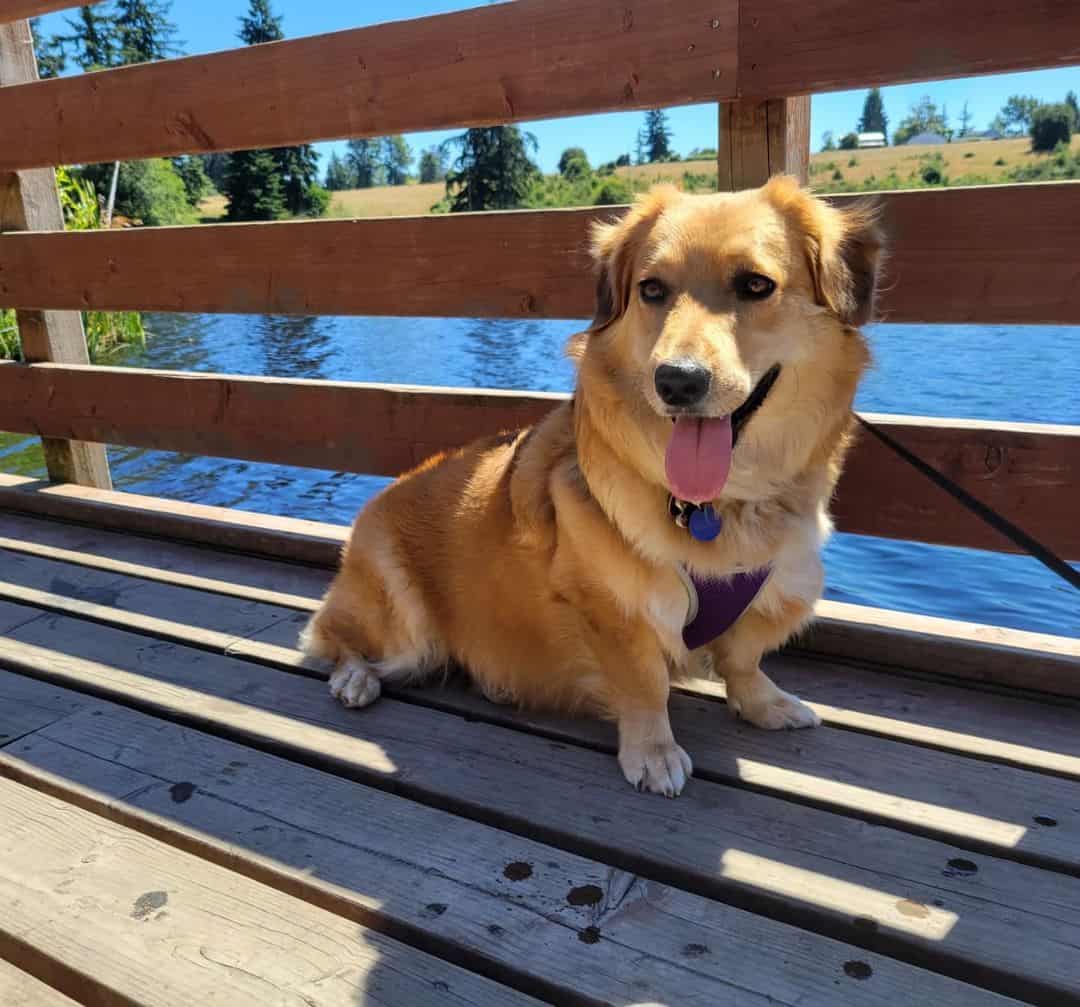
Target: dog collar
x=716 y=604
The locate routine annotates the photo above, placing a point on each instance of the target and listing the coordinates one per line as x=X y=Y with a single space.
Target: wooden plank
x=946 y=648
x=788 y=47
x=759 y=138
x=27 y=706
x=1020 y=469
x=17 y=10
x=112 y=911
x=534 y=59
x=17 y=989
x=952 y=258
x=163 y=610
x=367 y=854
x=29 y=202
x=243 y=531
x=917 y=899
x=997 y=728
x=205 y=569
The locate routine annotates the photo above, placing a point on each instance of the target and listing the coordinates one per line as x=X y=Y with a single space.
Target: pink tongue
x=698 y=458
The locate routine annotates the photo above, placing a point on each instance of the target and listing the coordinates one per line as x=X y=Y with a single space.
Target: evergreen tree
x=965 y=121
x=51 y=57
x=1074 y=107
x=338 y=175
x=874 y=119
x=298 y=173
x=214 y=165
x=94 y=38
x=253 y=186
x=396 y=159
x=362 y=157
x=656 y=139
x=143 y=31
x=260 y=24
x=432 y=165
x=197 y=184
x=492 y=170
x=827 y=141
x=295 y=169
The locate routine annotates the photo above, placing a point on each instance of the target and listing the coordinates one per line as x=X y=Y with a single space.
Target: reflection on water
x=1023 y=373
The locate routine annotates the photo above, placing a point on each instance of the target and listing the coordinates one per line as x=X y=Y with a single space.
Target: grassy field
x=990 y=161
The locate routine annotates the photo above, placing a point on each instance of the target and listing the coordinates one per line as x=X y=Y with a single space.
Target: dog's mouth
x=698 y=458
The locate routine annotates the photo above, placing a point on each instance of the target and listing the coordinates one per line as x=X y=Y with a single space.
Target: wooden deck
x=187 y=818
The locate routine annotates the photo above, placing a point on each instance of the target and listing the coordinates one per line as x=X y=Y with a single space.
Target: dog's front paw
x=661 y=768
x=758 y=701
x=355 y=684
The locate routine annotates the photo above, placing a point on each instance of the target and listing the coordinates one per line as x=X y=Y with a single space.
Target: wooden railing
x=993 y=254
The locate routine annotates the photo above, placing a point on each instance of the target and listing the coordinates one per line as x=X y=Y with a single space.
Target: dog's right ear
x=614 y=251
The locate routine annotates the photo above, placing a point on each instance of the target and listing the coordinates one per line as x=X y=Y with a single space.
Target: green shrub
x=969 y=153
x=838 y=175
x=150 y=191
x=1000 y=162
x=849 y=141
x=1051 y=125
x=106 y=332
x=1061 y=165
x=931 y=175
x=318 y=201
x=853 y=162
x=613 y=192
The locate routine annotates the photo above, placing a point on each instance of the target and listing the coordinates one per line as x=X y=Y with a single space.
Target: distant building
x=986 y=134
x=925 y=139
x=864 y=140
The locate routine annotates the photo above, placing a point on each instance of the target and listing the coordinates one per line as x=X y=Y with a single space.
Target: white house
x=864 y=140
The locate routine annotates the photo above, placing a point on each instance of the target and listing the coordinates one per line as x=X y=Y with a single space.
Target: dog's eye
x=652 y=291
x=753 y=286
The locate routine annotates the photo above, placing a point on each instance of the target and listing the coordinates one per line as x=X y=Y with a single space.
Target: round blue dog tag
x=705 y=523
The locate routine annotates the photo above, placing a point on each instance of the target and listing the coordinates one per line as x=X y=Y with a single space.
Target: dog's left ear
x=844 y=249
x=850 y=262
x=614 y=250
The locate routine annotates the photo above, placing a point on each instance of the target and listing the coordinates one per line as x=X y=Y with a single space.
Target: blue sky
x=210 y=25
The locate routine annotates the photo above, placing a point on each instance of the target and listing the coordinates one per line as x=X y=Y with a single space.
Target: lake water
x=1025 y=373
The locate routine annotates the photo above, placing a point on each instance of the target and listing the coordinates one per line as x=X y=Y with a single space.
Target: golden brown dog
x=721 y=366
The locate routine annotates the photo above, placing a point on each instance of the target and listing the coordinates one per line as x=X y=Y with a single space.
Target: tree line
x=257 y=184
x=1047 y=123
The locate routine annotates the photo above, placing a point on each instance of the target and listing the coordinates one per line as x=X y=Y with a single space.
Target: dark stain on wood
x=858 y=970
x=518 y=870
x=590 y=935
x=1045 y=820
x=584 y=895
x=959 y=867
x=148 y=903
x=181 y=792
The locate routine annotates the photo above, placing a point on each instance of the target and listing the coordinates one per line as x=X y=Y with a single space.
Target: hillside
x=970 y=163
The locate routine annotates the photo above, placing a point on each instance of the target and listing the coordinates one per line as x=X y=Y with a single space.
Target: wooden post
x=762 y=138
x=29 y=202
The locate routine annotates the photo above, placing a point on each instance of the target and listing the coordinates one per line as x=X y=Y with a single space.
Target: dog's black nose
x=684 y=383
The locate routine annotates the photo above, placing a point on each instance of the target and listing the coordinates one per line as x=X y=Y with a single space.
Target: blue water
x=1019 y=373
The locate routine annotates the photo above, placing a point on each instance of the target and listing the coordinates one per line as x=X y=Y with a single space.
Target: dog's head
x=726 y=319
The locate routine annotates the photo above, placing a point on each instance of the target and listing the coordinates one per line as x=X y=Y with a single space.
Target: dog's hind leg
x=371 y=627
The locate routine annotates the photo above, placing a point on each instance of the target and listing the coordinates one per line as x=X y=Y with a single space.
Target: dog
x=667 y=518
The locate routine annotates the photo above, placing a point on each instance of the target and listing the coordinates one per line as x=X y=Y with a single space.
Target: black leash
x=1017 y=535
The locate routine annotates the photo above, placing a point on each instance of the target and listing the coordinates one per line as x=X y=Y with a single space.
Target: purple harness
x=719 y=603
